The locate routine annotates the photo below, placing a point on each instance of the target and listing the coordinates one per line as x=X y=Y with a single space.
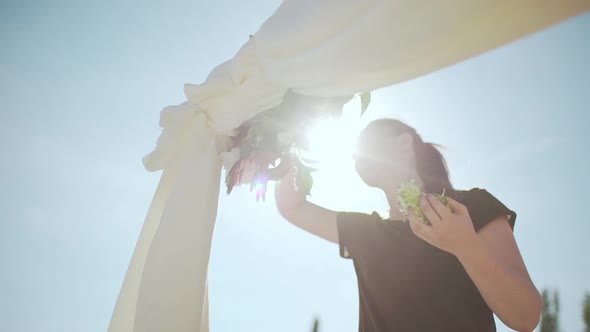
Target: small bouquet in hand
x=408 y=196
x=279 y=134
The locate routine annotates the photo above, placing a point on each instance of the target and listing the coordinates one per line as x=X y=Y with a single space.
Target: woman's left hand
x=450 y=229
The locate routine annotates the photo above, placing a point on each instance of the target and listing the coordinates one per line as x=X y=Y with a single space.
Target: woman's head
x=389 y=151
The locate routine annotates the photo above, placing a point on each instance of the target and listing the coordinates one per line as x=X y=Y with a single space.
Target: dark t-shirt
x=406 y=284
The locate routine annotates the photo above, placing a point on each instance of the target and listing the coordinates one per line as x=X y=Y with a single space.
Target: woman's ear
x=406 y=141
x=405 y=146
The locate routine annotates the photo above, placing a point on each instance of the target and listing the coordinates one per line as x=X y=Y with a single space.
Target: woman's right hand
x=281 y=170
x=287 y=197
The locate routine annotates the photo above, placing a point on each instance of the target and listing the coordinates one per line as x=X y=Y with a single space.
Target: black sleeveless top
x=406 y=284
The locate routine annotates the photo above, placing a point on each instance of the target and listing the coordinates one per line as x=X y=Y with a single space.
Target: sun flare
x=337 y=186
x=332 y=142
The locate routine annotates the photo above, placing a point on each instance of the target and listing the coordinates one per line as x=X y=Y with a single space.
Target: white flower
x=408 y=195
x=230 y=158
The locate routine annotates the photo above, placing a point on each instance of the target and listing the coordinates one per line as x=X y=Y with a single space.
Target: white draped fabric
x=312 y=47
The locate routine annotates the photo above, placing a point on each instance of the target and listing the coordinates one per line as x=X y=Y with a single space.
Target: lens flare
x=333 y=141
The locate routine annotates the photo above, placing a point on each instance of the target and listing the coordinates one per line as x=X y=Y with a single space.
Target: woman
x=450 y=274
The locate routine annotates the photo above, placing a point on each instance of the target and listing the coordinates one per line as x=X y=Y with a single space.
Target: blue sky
x=81 y=87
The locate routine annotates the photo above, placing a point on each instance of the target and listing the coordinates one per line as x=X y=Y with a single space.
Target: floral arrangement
x=408 y=196
x=280 y=134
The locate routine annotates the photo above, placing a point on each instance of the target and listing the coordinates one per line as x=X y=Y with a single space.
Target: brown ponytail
x=432 y=168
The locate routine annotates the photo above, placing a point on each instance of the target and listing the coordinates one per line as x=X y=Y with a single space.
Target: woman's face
x=380 y=155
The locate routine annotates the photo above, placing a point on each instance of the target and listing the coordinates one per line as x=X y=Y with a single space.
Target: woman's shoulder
x=476 y=198
x=484 y=207
x=474 y=192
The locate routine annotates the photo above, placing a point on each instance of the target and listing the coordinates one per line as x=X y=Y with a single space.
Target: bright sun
x=332 y=141
x=336 y=185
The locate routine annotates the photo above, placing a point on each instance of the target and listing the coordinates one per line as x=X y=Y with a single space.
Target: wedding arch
x=308 y=49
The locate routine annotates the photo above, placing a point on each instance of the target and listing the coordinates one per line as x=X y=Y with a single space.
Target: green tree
x=586 y=312
x=550 y=315
x=316 y=325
